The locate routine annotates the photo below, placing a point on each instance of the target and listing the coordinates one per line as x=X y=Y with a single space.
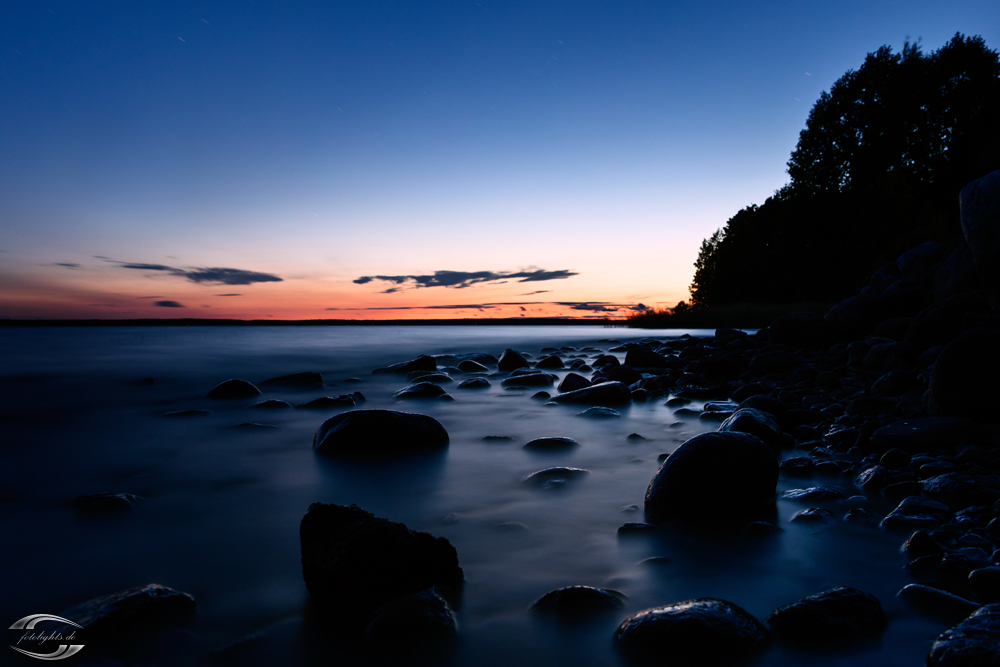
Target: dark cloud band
x=210 y=275
x=462 y=279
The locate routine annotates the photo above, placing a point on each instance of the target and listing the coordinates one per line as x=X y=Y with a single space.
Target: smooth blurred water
x=223 y=505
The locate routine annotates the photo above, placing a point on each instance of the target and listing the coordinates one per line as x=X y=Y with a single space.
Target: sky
x=400 y=159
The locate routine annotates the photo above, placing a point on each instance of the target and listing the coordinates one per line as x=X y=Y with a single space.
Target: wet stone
x=305 y=380
x=412 y=622
x=353 y=562
x=418 y=391
x=694 y=632
x=474 y=383
x=233 y=389
x=106 y=503
x=935 y=602
x=813 y=515
x=813 y=493
x=577 y=600
x=373 y=434
x=272 y=404
x=974 y=641
x=183 y=414
x=834 y=618
x=551 y=478
x=551 y=444
x=329 y=402
x=599 y=413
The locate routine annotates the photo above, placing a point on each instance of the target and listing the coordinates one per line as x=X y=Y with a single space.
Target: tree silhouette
x=877 y=169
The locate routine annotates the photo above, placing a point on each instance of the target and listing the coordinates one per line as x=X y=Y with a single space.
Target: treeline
x=876 y=170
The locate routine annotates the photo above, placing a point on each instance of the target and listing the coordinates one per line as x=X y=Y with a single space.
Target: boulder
x=940 y=323
x=927 y=434
x=754 y=422
x=470 y=366
x=577 y=600
x=959 y=490
x=421 y=363
x=353 y=562
x=607 y=394
x=832 y=618
x=552 y=444
x=538 y=379
x=474 y=383
x=106 y=503
x=915 y=262
x=136 y=610
x=511 y=360
x=713 y=477
x=232 y=389
x=979 y=202
x=800 y=329
x=964 y=381
x=420 y=390
x=412 y=621
x=551 y=361
x=374 y=434
x=973 y=642
x=572 y=382
x=640 y=356
x=705 y=631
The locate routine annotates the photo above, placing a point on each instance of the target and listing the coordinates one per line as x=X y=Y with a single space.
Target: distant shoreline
x=187 y=321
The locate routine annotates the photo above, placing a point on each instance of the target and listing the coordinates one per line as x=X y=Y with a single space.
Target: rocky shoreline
x=891 y=393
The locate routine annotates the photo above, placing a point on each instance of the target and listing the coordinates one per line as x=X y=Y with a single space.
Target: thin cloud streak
x=463 y=279
x=211 y=275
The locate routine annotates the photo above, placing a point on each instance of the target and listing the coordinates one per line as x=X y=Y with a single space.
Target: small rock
x=420 y=390
x=599 y=413
x=813 y=515
x=511 y=360
x=550 y=444
x=474 y=383
x=294 y=380
x=550 y=478
x=106 y=503
x=272 y=404
x=232 y=389
x=607 y=394
x=412 y=621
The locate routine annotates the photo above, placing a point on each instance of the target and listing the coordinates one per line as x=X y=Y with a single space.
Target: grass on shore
x=741 y=315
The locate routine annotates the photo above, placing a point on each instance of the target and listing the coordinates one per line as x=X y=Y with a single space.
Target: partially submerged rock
x=705 y=631
x=974 y=642
x=232 y=389
x=106 y=503
x=420 y=390
x=713 y=477
x=353 y=562
x=833 y=618
x=607 y=394
x=577 y=601
x=551 y=444
x=305 y=380
x=373 y=434
x=132 y=611
x=412 y=621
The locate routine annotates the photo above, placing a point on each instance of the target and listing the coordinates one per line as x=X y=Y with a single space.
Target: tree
x=876 y=170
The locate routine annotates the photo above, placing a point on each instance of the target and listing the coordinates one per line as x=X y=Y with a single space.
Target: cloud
x=587 y=306
x=463 y=279
x=148 y=267
x=216 y=275
x=540 y=291
x=68 y=265
x=228 y=295
x=224 y=276
x=168 y=304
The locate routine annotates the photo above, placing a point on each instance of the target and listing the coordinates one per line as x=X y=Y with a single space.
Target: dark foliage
x=877 y=170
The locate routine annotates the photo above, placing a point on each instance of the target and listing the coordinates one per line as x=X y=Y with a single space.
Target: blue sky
x=324 y=141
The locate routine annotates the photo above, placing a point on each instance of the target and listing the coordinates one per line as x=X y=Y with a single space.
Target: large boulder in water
x=980 y=211
x=606 y=394
x=713 y=477
x=973 y=642
x=511 y=360
x=832 y=618
x=136 y=610
x=964 y=381
x=374 y=434
x=354 y=562
x=705 y=631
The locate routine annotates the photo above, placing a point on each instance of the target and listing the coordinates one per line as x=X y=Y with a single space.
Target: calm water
x=223 y=506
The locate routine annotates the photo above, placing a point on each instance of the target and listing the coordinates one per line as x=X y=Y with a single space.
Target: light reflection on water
x=222 y=506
